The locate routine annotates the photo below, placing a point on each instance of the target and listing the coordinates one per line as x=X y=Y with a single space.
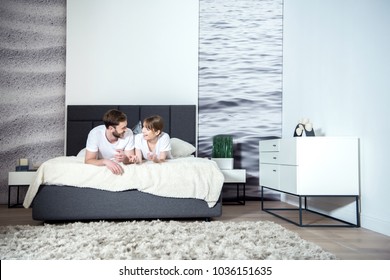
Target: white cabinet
x=311 y=165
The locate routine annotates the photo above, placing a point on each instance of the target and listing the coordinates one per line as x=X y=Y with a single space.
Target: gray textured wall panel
x=32 y=83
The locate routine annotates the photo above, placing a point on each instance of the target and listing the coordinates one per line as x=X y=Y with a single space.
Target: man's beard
x=118 y=135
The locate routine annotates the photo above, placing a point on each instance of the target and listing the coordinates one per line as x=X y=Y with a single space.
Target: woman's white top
x=163 y=145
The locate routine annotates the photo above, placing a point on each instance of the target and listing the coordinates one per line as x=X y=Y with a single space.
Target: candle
x=23 y=161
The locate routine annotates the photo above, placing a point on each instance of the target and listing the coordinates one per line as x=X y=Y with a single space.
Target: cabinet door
x=269 y=175
x=288 y=178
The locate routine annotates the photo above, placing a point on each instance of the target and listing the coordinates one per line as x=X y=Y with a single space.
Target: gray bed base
x=67 y=203
x=64 y=203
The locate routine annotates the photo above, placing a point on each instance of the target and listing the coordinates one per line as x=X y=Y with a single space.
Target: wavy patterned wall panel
x=32 y=83
x=240 y=76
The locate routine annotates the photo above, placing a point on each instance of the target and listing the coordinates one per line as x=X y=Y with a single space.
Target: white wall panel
x=336 y=64
x=132 y=52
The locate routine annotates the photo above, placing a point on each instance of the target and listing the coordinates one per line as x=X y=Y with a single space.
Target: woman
x=153 y=144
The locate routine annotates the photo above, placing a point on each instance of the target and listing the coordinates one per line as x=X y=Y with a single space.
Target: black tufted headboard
x=179 y=121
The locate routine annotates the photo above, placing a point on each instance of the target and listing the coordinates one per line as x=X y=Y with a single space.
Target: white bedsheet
x=189 y=177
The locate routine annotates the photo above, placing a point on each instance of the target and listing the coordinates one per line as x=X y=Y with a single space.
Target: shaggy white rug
x=157 y=240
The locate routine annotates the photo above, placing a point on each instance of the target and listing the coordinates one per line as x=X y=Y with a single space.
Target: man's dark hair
x=113 y=118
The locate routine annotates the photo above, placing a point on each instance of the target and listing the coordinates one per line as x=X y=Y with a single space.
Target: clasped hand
x=154 y=158
x=120 y=156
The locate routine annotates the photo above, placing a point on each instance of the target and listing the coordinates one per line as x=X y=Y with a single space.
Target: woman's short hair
x=154 y=123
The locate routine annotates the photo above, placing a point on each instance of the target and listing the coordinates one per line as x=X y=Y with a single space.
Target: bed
x=66 y=189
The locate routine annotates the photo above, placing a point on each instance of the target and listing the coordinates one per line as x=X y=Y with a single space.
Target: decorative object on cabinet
x=311 y=167
x=306 y=126
x=22 y=165
x=222 y=152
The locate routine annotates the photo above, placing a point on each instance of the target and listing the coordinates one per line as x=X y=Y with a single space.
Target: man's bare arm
x=91 y=158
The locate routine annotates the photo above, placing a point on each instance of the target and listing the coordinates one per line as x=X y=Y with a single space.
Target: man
x=112 y=143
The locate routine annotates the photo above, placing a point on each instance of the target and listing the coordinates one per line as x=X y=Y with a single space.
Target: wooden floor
x=345 y=243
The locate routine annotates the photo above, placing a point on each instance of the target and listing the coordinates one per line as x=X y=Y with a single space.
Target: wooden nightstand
x=17 y=179
x=238 y=177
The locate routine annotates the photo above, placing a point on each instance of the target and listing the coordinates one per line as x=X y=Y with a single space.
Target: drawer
x=269 y=175
x=234 y=176
x=269 y=145
x=21 y=178
x=269 y=157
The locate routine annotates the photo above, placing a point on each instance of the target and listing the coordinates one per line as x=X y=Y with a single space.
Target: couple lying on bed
x=114 y=143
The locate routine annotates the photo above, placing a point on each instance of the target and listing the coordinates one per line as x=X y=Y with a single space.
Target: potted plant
x=222 y=152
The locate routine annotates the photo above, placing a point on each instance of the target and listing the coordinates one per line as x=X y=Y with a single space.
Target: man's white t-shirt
x=163 y=145
x=97 y=142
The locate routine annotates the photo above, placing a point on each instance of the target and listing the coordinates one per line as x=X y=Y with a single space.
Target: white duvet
x=189 y=177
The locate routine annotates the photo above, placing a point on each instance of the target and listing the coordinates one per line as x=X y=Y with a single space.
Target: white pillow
x=180 y=148
x=137 y=129
x=81 y=153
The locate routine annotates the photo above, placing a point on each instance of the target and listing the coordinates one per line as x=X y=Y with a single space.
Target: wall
x=240 y=78
x=132 y=52
x=335 y=71
x=32 y=84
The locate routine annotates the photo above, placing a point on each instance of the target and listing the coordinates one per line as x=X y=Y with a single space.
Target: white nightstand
x=17 y=179
x=238 y=177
